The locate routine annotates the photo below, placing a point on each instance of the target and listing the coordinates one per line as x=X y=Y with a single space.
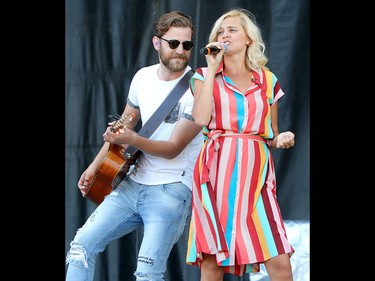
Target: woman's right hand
x=214 y=60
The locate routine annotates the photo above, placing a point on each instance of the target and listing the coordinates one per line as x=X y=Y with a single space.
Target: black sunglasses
x=173 y=44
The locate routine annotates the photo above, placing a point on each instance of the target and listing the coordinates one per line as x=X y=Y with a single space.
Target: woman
x=236 y=221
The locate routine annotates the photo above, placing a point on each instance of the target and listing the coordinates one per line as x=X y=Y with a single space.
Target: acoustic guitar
x=113 y=168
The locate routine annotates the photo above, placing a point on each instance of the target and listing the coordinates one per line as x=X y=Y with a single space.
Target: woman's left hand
x=285 y=140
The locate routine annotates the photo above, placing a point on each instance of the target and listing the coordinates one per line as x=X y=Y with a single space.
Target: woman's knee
x=279 y=267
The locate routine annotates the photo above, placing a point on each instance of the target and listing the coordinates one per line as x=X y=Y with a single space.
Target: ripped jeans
x=162 y=209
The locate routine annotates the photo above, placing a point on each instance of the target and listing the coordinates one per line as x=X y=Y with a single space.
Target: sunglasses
x=173 y=44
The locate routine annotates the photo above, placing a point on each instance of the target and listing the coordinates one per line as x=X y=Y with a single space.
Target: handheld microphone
x=212 y=50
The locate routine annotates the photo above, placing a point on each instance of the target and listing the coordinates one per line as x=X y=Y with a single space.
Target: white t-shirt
x=147 y=92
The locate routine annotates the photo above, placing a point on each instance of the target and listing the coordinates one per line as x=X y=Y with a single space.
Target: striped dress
x=235 y=213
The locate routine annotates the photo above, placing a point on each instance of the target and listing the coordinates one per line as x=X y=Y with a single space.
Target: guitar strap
x=155 y=120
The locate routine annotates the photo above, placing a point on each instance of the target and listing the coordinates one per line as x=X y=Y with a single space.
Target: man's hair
x=175 y=18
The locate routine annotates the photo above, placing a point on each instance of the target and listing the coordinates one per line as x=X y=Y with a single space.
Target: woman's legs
x=278 y=268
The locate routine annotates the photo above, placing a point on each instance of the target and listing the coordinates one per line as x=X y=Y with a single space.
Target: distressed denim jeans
x=161 y=209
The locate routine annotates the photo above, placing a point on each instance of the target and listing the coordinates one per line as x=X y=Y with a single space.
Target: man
x=156 y=194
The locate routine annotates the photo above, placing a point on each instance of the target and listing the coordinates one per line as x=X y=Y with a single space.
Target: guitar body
x=111 y=171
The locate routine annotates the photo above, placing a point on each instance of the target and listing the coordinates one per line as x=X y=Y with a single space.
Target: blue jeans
x=161 y=209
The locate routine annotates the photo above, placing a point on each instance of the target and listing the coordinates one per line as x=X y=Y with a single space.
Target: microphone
x=212 y=50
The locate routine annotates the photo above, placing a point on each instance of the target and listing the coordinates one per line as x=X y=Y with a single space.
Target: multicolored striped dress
x=235 y=213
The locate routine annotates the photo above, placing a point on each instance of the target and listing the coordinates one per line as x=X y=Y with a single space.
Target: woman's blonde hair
x=256 y=58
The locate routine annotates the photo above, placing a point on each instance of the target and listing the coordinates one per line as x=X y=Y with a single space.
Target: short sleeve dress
x=235 y=213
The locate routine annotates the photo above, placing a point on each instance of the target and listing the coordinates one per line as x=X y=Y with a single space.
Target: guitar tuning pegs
x=120 y=121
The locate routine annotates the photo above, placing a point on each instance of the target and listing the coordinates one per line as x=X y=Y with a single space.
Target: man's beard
x=175 y=66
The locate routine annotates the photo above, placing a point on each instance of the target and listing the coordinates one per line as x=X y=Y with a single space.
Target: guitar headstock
x=122 y=122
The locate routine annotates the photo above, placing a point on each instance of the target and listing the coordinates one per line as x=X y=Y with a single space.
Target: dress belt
x=215 y=134
x=212 y=145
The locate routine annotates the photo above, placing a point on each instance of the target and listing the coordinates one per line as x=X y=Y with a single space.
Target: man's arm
x=182 y=135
